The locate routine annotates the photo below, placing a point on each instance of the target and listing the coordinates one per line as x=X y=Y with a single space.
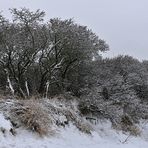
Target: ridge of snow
x=71 y=137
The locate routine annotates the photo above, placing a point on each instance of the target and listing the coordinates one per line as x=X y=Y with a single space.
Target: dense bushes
x=118 y=92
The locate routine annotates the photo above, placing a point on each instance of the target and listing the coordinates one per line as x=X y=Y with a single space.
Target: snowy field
x=70 y=137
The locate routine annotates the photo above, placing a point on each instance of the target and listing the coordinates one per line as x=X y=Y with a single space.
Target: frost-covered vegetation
x=58 y=123
x=43 y=116
x=43 y=58
x=52 y=75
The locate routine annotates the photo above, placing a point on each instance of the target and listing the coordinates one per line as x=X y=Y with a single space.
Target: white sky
x=122 y=23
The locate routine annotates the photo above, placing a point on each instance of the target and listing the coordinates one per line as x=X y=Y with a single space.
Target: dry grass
x=84 y=127
x=69 y=110
x=126 y=125
x=44 y=116
x=33 y=116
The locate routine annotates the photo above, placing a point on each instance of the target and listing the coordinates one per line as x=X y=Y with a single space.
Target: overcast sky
x=123 y=24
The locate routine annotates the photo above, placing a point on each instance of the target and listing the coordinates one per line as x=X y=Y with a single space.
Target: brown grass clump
x=44 y=116
x=128 y=126
x=84 y=127
x=70 y=111
x=79 y=122
x=33 y=116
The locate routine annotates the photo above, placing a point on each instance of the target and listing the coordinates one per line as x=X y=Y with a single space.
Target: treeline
x=38 y=57
x=121 y=78
x=117 y=89
x=58 y=56
x=62 y=57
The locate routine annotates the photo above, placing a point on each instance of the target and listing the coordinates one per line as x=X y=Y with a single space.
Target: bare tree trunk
x=41 y=89
x=27 y=88
x=21 y=92
x=47 y=88
x=9 y=82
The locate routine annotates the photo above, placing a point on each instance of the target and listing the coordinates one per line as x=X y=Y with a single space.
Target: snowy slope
x=70 y=137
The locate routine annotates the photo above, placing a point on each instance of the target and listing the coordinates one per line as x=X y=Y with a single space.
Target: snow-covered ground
x=70 y=137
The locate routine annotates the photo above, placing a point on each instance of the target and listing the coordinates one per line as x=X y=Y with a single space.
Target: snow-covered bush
x=118 y=111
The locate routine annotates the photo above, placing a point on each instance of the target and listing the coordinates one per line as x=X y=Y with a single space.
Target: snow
x=4 y=123
x=70 y=137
